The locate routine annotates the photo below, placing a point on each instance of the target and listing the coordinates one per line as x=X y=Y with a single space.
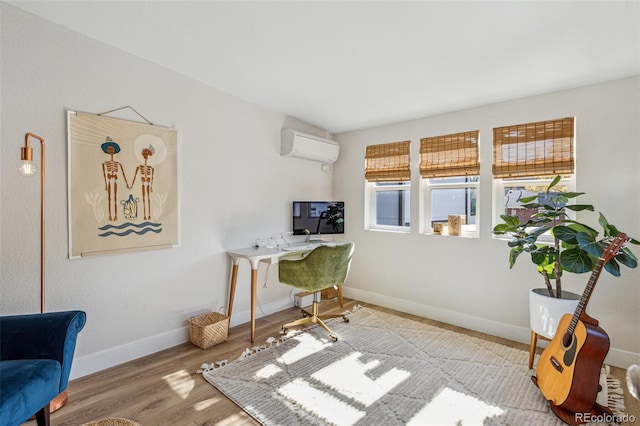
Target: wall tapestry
x=123 y=189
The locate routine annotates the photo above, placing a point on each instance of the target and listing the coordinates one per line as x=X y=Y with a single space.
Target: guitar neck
x=608 y=254
x=586 y=295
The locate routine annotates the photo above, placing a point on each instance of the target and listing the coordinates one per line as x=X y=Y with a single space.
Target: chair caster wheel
x=303 y=313
x=345 y=319
x=284 y=331
x=334 y=337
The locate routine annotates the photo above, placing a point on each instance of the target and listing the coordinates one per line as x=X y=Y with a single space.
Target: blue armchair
x=36 y=352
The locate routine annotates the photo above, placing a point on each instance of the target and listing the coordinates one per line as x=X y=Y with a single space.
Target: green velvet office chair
x=323 y=267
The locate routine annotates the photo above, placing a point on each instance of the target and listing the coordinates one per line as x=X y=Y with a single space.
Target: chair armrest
x=50 y=335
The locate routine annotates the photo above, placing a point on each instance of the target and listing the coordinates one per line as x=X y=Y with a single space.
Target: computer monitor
x=318 y=217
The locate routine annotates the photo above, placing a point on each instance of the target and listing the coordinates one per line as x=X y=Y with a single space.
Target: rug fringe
x=270 y=341
x=356 y=307
x=615 y=393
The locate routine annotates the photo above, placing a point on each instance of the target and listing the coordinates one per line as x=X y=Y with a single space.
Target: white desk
x=254 y=256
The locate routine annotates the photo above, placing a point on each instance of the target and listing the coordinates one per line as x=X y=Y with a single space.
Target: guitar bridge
x=556 y=364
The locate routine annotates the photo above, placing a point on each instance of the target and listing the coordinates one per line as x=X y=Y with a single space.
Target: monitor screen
x=318 y=217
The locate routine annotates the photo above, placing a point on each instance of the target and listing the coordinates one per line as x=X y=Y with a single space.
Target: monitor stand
x=315 y=238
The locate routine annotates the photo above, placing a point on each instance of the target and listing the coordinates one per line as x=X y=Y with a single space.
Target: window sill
x=390 y=230
x=463 y=235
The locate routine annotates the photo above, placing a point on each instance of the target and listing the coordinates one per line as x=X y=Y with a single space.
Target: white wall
x=467 y=281
x=234 y=187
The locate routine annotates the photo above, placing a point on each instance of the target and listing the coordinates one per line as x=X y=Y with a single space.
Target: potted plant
x=570 y=246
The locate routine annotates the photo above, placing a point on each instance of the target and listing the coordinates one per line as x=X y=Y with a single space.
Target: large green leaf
x=629 y=253
x=553 y=183
x=525 y=200
x=576 y=261
x=501 y=229
x=510 y=220
x=565 y=233
x=580 y=227
x=536 y=232
x=627 y=258
x=573 y=194
x=612 y=267
x=603 y=221
x=579 y=207
x=589 y=244
x=538 y=257
x=513 y=255
x=610 y=230
x=545 y=258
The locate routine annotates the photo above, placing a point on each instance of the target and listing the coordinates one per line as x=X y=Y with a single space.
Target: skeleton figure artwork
x=139 y=175
x=146 y=179
x=110 y=171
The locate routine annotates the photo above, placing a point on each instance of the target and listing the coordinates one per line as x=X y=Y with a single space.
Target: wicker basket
x=209 y=329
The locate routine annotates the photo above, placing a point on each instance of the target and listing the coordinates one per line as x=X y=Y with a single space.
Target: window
x=449 y=167
x=388 y=195
x=510 y=191
x=526 y=158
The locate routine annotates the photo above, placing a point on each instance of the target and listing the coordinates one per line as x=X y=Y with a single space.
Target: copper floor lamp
x=27 y=168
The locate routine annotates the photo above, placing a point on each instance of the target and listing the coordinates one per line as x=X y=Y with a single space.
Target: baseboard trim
x=98 y=361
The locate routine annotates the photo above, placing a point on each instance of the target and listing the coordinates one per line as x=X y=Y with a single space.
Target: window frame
x=388 y=164
x=426 y=188
x=449 y=156
x=500 y=184
x=533 y=154
x=371 y=205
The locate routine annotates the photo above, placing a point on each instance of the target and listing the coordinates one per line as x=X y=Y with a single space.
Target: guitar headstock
x=614 y=247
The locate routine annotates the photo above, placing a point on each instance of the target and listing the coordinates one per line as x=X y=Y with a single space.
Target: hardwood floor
x=164 y=389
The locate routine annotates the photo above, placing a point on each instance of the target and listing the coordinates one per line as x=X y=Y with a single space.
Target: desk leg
x=254 y=286
x=232 y=289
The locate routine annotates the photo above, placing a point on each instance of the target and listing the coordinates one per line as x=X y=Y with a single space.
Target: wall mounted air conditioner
x=310 y=147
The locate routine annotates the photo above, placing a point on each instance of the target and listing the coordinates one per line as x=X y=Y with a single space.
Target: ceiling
x=347 y=65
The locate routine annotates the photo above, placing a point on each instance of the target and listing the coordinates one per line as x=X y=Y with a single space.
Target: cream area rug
x=383 y=370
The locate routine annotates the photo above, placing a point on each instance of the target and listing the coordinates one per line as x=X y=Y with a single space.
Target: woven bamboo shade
x=388 y=162
x=544 y=148
x=450 y=155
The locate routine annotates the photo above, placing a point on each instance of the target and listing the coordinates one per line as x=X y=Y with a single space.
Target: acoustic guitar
x=568 y=371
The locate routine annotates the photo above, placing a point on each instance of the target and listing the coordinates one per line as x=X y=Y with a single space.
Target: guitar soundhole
x=567 y=339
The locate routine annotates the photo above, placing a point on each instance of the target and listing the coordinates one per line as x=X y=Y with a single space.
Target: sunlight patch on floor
x=320 y=403
x=348 y=376
x=180 y=382
x=203 y=405
x=234 y=419
x=308 y=346
x=450 y=407
x=268 y=371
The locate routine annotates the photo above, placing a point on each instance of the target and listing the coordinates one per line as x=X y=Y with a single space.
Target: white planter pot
x=545 y=311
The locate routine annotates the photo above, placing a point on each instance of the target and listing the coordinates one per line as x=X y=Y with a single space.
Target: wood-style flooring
x=164 y=389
